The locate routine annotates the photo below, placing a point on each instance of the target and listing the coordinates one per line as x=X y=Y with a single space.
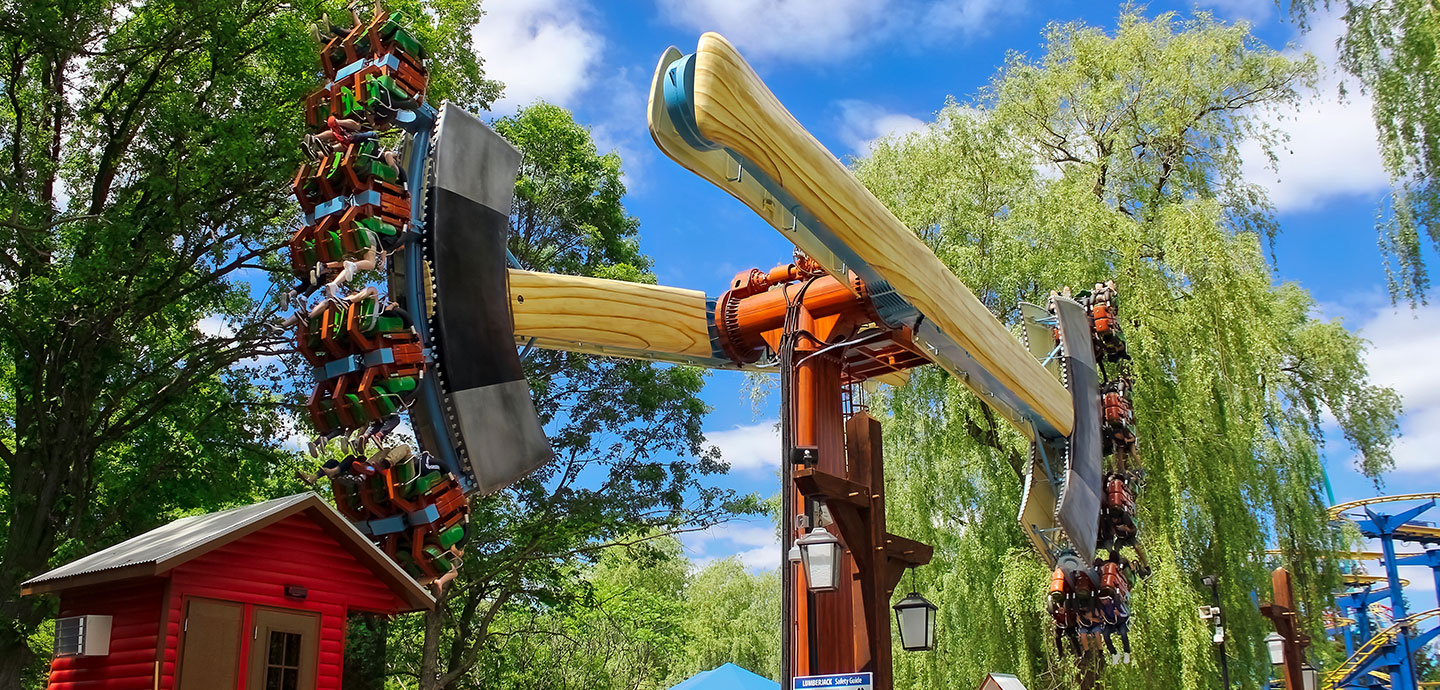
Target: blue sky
x=855 y=70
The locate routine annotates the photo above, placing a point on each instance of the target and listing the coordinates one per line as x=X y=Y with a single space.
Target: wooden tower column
x=1283 y=612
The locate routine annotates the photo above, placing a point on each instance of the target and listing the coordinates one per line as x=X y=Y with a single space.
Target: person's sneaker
x=314 y=149
x=392 y=422
x=313 y=446
x=1128 y=658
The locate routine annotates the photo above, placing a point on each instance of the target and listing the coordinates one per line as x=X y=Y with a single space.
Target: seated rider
x=372 y=260
x=1116 y=620
x=342 y=132
x=1065 y=625
x=389 y=309
x=300 y=316
x=1092 y=627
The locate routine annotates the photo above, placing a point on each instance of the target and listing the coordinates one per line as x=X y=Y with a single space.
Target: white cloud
x=1332 y=150
x=1402 y=356
x=863 y=123
x=750 y=447
x=540 y=49
x=215 y=327
x=824 y=30
x=619 y=126
x=1253 y=11
x=755 y=544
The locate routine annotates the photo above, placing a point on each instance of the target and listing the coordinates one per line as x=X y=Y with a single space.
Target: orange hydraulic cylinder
x=744 y=323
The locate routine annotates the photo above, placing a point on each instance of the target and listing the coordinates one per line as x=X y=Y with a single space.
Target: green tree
x=629 y=450
x=622 y=628
x=637 y=619
x=1390 y=47
x=731 y=616
x=1115 y=155
x=148 y=147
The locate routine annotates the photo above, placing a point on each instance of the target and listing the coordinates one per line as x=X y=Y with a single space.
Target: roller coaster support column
x=825 y=620
x=1385 y=527
x=1285 y=616
x=1357 y=605
x=1349 y=633
x=1429 y=559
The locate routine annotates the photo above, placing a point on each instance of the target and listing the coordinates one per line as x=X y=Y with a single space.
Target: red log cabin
x=254 y=598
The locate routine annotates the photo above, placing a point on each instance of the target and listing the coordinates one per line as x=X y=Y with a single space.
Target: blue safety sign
x=853 y=681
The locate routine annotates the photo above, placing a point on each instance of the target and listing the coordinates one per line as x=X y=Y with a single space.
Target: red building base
x=250 y=598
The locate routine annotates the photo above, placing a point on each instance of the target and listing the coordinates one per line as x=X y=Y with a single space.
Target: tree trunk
x=430 y=651
x=31 y=540
x=14 y=659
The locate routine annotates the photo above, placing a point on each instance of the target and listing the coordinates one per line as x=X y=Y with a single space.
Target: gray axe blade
x=1080 y=496
x=489 y=409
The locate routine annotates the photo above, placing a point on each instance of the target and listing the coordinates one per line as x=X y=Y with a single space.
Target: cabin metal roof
x=163 y=548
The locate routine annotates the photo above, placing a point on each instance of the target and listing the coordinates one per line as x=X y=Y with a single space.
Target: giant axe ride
x=864 y=299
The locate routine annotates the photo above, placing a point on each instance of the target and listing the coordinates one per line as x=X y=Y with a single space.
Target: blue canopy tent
x=727 y=677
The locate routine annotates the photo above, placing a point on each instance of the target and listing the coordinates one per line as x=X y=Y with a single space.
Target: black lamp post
x=1214 y=584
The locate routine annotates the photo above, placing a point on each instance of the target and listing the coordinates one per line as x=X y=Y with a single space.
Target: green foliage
x=1390 y=47
x=1116 y=156
x=148 y=147
x=568 y=216
x=146 y=160
x=730 y=616
x=623 y=631
x=637 y=618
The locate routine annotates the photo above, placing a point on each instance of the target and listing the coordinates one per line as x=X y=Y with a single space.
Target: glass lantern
x=1275 y=644
x=820 y=554
x=915 y=616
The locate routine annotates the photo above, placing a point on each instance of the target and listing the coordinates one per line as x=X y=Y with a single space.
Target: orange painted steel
x=838 y=340
x=745 y=315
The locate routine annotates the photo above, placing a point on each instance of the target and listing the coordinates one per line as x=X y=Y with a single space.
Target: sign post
x=853 y=681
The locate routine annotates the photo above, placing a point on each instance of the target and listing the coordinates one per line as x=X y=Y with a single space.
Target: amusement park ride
x=1384 y=657
x=426 y=224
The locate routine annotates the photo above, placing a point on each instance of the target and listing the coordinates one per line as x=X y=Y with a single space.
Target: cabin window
x=282 y=664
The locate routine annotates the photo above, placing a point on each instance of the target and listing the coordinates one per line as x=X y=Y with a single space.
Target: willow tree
x=1391 y=47
x=1116 y=155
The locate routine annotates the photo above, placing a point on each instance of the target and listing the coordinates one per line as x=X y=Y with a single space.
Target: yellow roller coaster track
x=1354 y=580
x=1374 y=610
x=1374 y=645
x=1338 y=509
x=1350 y=555
x=1421 y=531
